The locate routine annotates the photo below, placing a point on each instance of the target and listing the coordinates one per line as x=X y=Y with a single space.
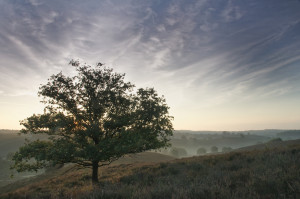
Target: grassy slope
x=269 y=172
x=137 y=159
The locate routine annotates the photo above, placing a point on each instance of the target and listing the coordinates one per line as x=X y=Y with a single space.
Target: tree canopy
x=92 y=119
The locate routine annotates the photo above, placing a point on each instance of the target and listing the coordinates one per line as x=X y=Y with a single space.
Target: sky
x=220 y=64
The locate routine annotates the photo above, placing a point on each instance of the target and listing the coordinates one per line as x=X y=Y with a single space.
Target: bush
x=178 y=152
x=214 y=149
x=226 y=149
x=275 y=140
x=201 y=151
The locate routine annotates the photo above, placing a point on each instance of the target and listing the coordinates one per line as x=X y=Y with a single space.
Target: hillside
x=145 y=157
x=274 y=143
x=272 y=172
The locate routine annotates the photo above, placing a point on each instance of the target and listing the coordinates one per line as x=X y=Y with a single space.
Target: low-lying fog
x=191 y=143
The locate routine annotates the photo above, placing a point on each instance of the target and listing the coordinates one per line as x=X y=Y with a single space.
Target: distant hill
x=272 y=144
x=264 y=132
x=289 y=135
x=10 y=141
x=191 y=141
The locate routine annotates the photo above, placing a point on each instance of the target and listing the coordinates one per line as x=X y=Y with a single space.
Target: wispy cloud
x=205 y=53
x=231 y=12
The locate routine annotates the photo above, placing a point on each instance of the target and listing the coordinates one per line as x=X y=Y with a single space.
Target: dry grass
x=264 y=173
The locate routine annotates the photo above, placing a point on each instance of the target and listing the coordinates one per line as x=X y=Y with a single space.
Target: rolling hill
x=259 y=172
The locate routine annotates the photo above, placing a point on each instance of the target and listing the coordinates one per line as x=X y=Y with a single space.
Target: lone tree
x=93 y=119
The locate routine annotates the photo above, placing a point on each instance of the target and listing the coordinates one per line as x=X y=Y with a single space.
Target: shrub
x=226 y=149
x=178 y=152
x=214 y=149
x=201 y=151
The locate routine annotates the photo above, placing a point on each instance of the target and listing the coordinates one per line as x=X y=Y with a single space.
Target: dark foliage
x=93 y=119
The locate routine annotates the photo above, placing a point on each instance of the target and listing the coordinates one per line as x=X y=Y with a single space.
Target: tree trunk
x=95 y=173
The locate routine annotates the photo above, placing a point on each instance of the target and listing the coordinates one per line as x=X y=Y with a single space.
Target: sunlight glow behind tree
x=93 y=119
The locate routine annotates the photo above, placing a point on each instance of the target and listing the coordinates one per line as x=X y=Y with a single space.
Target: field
x=271 y=170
